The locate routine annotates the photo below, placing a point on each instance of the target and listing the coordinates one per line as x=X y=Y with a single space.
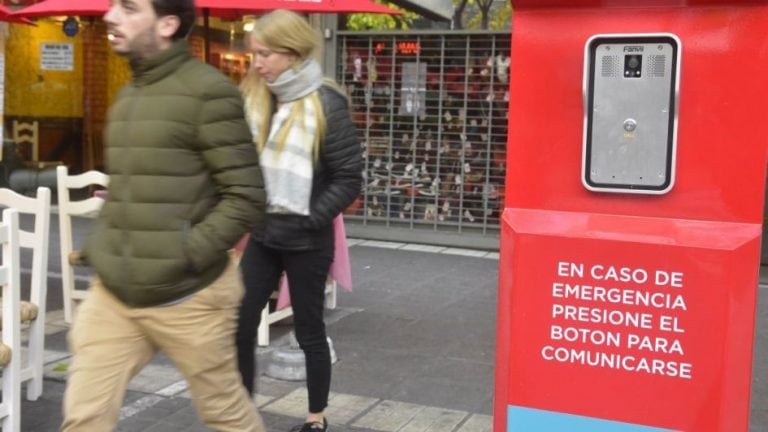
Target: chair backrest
x=10 y=407
x=27 y=133
x=35 y=239
x=88 y=207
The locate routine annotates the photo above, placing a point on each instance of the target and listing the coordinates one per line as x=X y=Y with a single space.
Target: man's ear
x=168 y=25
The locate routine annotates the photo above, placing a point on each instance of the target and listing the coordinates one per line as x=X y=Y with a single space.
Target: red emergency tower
x=631 y=231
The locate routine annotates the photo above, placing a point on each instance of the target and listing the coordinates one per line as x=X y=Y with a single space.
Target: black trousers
x=307 y=272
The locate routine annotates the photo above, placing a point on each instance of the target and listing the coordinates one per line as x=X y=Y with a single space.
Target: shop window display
x=432 y=113
x=232 y=64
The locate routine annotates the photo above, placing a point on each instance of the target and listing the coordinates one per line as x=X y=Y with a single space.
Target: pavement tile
x=754 y=426
x=407 y=307
x=477 y=423
x=161 y=409
x=358 y=328
x=137 y=425
x=44 y=414
x=154 y=378
x=432 y=419
x=57 y=341
x=357 y=380
x=173 y=389
x=293 y=404
x=54 y=322
x=343 y=408
x=53 y=356
x=381 y=244
x=186 y=416
x=465 y=252
x=57 y=368
x=389 y=416
x=274 y=388
x=139 y=406
x=443 y=394
x=423 y=248
x=261 y=400
x=759 y=397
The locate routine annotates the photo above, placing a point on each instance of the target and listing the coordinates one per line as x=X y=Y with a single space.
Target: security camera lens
x=633 y=65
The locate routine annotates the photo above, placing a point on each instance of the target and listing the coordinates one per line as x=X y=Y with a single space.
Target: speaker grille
x=610 y=66
x=656 y=66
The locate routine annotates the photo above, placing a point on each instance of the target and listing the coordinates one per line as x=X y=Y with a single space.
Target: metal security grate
x=431 y=109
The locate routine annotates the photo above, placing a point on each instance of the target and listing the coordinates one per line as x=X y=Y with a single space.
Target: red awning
x=8 y=16
x=218 y=8
x=64 y=7
x=238 y=8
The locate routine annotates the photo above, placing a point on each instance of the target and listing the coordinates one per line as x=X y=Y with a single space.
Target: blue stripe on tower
x=521 y=419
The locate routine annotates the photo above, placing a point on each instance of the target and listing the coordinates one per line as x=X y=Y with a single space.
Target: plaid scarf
x=287 y=166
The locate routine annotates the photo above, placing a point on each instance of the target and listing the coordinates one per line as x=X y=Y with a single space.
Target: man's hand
x=76 y=259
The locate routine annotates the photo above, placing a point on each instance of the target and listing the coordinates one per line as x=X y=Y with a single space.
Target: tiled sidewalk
x=158 y=400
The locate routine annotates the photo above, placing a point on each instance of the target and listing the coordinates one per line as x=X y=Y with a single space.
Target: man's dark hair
x=184 y=9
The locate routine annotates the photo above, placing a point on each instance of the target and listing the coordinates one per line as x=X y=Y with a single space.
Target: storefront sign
x=56 y=56
x=408 y=47
x=402 y=48
x=70 y=26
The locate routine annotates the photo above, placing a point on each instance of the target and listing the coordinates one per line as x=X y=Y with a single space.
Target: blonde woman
x=312 y=166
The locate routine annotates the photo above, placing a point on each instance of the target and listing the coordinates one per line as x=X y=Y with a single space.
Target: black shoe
x=312 y=427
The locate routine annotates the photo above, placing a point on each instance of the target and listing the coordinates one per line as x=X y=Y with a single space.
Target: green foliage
x=499 y=17
x=363 y=21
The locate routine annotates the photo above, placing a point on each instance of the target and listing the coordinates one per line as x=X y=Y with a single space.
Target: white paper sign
x=57 y=56
x=413 y=97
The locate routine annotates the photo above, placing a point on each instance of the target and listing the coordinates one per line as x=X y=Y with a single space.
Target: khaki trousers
x=111 y=343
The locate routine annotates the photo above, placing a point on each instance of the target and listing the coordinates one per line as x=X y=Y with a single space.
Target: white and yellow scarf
x=287 y=166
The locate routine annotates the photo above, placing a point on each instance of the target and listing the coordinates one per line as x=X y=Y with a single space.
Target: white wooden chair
x=33 y=311
x=68 y=209
x=10 y=349
x=269 y=317
x=26 y=133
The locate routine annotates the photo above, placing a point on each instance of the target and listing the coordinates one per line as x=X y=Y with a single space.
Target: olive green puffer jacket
x=185 y=182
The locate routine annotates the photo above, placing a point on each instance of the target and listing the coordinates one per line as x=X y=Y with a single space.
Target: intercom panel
x=631 y=84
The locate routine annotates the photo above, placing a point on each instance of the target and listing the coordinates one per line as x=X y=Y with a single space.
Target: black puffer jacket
x=336 y=182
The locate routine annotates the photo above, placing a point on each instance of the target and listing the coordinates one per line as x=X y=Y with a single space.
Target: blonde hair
x=282 y=31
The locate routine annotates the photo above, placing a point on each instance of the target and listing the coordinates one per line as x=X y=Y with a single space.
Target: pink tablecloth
x=340 y=270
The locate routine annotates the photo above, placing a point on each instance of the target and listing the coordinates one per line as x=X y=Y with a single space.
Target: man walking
x=184 y=186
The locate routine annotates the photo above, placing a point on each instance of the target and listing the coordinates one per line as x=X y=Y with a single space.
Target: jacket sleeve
x=228 y=150
x=342 y=156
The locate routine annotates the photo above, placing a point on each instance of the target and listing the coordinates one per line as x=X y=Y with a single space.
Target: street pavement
x=415 y=345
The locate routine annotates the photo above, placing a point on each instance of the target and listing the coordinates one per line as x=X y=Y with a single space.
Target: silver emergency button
x=630 y=125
